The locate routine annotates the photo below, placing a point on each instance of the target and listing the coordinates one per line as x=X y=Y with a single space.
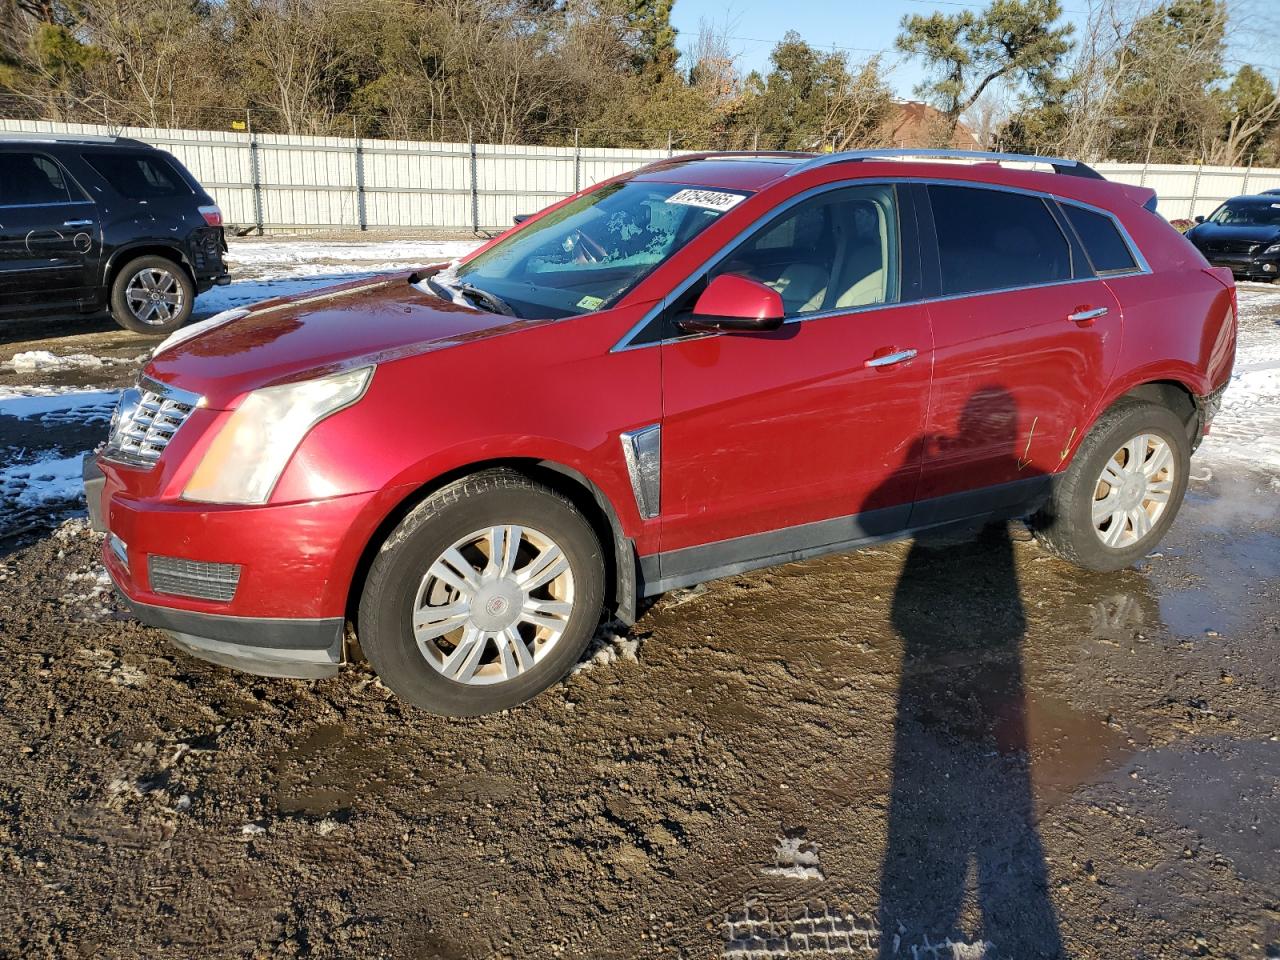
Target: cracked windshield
x=587 y=254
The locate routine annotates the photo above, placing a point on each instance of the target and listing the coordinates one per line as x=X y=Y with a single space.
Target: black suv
x=88 y=223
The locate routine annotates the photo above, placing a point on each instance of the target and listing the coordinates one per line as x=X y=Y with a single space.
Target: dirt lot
x=947 y=749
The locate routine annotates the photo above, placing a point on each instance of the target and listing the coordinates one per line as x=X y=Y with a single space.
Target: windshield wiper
x=485 y=300
x=484 y=296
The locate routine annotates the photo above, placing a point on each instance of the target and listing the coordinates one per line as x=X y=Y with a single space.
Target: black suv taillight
x=212 y=215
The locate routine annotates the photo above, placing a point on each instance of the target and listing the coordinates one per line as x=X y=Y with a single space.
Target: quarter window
x=1102 y=241
x=29 y=178
x=138 y=177
x=834 y=251
x=996 y=240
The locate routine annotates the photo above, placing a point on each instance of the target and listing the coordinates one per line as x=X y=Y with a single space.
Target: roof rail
x=730 y=155
x=1070 y=167
x=41 y=136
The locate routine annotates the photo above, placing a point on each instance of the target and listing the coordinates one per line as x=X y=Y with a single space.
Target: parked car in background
x=709 y=365
x=92 y=223
x=1243 y=234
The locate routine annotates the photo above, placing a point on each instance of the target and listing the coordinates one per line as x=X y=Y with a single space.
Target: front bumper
x=1249 y=268
x=302 y=649
x=286 y=615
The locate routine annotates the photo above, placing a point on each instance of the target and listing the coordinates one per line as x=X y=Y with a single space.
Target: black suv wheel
x=152 y=295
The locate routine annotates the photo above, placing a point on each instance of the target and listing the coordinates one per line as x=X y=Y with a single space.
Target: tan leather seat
x=802 y=287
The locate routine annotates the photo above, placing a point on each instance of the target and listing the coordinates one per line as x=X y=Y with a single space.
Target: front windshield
x=586 y=255
x=1248 y=213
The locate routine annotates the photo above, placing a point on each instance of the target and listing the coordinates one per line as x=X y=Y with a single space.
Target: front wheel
x=1122 y=490
x=485 y=595
x=152 y=295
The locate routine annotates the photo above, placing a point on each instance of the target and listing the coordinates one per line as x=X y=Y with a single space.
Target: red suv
x=709 y=365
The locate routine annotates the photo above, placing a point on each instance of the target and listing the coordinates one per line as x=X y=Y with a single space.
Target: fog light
x=193 y=578
x=118 y=549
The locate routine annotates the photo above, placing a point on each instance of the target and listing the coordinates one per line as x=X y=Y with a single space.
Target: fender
x=123 y=254
x=608 y=494
x=1180 y=372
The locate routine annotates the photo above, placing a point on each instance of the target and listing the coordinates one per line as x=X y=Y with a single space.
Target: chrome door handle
x=1086 y=316
x=77 y=223
x=889 y=359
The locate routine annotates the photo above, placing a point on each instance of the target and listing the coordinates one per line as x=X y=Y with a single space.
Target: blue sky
x=863 y=26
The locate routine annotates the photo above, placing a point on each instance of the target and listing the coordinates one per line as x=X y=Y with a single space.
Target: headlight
x=249 y=453
x=1274 y=248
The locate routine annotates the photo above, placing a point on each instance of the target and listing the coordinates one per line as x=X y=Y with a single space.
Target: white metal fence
x=277 y=181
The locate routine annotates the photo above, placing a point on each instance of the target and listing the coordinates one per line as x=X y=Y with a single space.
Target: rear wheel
x=484 y=596
x=152 y=295
x=1122 y=490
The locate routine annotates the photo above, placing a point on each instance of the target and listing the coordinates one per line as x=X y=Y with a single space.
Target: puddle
x=1223 y=790
x=328 y=771
x=1226 y=580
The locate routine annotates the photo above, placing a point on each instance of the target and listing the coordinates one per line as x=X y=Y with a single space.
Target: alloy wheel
x=1133 y=490
x=493 y=605
x=154 y=296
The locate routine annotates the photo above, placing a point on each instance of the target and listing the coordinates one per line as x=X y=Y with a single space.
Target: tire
x=431 y=671
x=1067 y=526
x=159 y=277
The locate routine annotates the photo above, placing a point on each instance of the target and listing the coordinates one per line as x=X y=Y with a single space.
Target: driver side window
x=838 y=250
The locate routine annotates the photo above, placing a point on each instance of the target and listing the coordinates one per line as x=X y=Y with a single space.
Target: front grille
x=146 y=419
x=193 y=578
x=1241 y=247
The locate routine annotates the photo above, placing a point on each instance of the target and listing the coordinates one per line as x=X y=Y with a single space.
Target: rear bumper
x=207 y=283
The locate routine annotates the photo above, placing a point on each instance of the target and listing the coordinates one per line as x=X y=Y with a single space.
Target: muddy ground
x=960 y=740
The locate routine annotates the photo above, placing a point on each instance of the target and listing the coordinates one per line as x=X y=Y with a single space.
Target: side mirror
x=520 y=218
x=1199 y=219
x=733 y=302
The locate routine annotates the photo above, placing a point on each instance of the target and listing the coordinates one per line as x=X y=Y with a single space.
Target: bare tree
x=988 y=114
x=294 y=51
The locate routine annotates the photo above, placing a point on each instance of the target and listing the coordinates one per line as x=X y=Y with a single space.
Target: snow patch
x=68 y=406
x=30 y=361
x=1247 y=427
x=609 y=646
x=248 y=253
x=795 y=858
x=45 y=481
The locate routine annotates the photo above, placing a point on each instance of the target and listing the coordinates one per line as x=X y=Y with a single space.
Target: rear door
x=1026 y=338
x=775 y=444
x=49 y=236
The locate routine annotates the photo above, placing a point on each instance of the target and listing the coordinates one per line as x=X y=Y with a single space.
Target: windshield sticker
x=590 y=303
x=707 y=199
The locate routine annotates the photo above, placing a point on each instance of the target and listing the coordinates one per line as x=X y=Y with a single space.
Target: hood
x=1214 y=232
x=294 y=338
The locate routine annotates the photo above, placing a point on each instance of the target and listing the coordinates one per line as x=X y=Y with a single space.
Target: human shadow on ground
x=961 y=802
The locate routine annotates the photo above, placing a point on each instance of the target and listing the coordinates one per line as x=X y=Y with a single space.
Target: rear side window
x=29 y=178
x=995 y=240
x=139 y=177
x=1102 y=241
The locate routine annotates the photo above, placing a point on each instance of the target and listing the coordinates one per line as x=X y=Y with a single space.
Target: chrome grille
x=1247 y=247
x=146 y=419
x=193 y=578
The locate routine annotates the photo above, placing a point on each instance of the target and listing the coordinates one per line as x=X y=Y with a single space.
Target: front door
x=49 y=237
x=778 y=444
x=1026 y=338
